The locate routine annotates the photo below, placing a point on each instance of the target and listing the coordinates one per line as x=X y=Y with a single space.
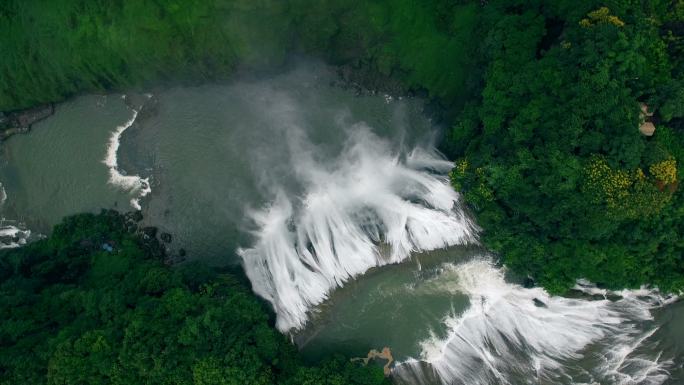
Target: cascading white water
x=137 y=186
x=516 y=335
x=12 y=234
x=371 y=206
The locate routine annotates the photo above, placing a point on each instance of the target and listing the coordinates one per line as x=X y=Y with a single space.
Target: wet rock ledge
x=18 y=122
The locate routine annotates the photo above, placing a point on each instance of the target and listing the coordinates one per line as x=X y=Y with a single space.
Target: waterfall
x=516 y=335
x=373 y=205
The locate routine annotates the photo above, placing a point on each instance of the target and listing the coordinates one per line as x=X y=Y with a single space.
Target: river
x=341 y=212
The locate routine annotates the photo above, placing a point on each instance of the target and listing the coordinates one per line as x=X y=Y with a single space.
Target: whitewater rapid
x=516 y=335
x=138 y=187
x=12 y=234
x=373 y=205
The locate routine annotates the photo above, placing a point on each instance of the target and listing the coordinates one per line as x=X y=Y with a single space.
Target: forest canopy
x=95 y=304
x=551 y=156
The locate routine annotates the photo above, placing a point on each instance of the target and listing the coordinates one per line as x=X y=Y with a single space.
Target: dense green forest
x=52 y=49
x=95 y=304
x=543 y=97
x=551 y=156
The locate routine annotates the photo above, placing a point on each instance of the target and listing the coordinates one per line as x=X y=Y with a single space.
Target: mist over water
x=366 y=208
x=340 y=210
x=216 y=154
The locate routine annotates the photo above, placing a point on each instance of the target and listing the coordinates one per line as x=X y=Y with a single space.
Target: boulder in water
x=528 y=283
x=134 y=216
x=149 y=232
x=166 y=237
x=538 y=303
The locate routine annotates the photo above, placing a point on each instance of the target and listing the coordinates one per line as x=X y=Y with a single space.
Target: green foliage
x=99 y=45
x=73 y=313
x=562 y=181
x=628 y=195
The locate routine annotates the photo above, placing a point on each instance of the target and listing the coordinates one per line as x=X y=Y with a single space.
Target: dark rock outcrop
x=538 y=303
x=146 y=104
x=149 y=232
x=18 y=122
x=134 y=216
x=166 y=237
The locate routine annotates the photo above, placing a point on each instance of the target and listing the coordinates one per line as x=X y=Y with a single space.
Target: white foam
x=507 y=336
x=12 y=236
x=367 y=201
x=139 y=187
x=3 y=194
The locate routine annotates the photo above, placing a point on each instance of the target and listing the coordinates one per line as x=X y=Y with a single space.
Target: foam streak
x=138 y=186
